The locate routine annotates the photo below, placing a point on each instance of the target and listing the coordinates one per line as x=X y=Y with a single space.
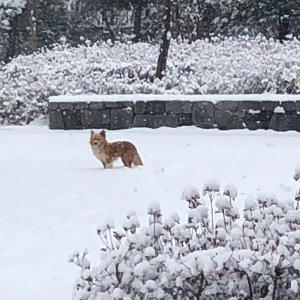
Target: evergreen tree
x=9 y=15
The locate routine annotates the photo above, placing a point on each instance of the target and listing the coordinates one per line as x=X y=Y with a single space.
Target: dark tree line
x=40 y=23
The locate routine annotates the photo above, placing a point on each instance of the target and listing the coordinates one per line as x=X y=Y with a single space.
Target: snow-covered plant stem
x=297 y=196
x=155 y=222
x=211 y=198
x=244 y=273
x=224 y=219
x=110 y=238
x=155 y=235
x=211 y=187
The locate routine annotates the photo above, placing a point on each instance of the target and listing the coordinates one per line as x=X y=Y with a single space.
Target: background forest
x=27 y=25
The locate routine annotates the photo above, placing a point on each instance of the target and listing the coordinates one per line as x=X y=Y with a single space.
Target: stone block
x=239 y=113
x=95 y=118
x=143 y=121
x=227 y=105
x=53 y=106
x=155 y=121
x=280 y=122
x=250 y=116
x=269 y=105
x=236 y=123
x=297 y=103
x=167 y=120
x=295 y=122
x=203 y=114
x=118 y=104
x=113 y=104
x=184 y=119
x=223 y=119
x=247 y=105
x=56 y=120
x=128 y=104
x=155 y=107
x=253 y=124
x=80 y=105
x=96 y=105
x=265 y=117
x=139 y=107
x=289 y=106
x=65 y=105
x=179 y=107
x=72 y=119
x=121 y=118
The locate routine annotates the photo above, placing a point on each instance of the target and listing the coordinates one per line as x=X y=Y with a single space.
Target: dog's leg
x=126 y=160
x=104 y=164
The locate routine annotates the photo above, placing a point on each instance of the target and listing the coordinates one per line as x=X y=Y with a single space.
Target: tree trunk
x=111 y=33
x=177 y=21
x=275 y=288
x=284 y=22
x=32 y=11
x=165 y=44
x=12 y=38
x=137 y=22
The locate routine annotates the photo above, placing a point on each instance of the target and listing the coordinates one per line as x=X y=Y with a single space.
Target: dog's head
x=97 y=138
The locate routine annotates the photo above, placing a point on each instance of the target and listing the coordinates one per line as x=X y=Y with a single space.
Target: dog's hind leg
x=126 y=160
x=136 y=160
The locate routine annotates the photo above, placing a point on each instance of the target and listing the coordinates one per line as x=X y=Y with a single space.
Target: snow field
x=54 y=193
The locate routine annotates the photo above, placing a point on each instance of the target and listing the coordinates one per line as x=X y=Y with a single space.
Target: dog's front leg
x=104 y=164
x=107 y=165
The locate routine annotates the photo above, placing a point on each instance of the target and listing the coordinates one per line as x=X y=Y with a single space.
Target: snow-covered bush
x=253 y=257
x=222 y=66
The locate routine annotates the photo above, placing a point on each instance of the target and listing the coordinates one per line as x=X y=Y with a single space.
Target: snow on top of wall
x=169 y=97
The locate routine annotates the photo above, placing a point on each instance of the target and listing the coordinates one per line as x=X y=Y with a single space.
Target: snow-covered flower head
x=297 y=173
x=231 y=191
x=223 y=203
x=192 y=196
x=211 y=186
x=154 y=208
x=250 y=204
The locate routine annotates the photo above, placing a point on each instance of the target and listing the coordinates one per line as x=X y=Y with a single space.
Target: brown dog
x=107 y=152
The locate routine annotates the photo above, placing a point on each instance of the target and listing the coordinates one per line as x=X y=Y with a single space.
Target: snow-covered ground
x=54 y=193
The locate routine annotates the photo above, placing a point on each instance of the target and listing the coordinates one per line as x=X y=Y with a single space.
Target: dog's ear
x=103 y=133
x=92 y=132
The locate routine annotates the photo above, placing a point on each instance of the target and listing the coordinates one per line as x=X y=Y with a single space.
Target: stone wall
x=224 y=115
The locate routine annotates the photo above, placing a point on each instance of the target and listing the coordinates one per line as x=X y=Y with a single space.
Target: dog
x=107 y=152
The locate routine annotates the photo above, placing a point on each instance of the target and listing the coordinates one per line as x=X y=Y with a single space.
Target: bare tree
x=137 y=12
x=32 y=11
x=165 y=44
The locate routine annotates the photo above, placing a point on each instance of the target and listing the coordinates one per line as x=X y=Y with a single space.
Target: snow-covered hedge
x=256 y=256
x=224 y=66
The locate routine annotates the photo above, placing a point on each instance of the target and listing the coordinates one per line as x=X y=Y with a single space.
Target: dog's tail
x=137 y=161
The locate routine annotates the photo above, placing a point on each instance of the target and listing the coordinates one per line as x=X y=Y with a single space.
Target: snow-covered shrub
x=254 y=257
x=222 y=66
